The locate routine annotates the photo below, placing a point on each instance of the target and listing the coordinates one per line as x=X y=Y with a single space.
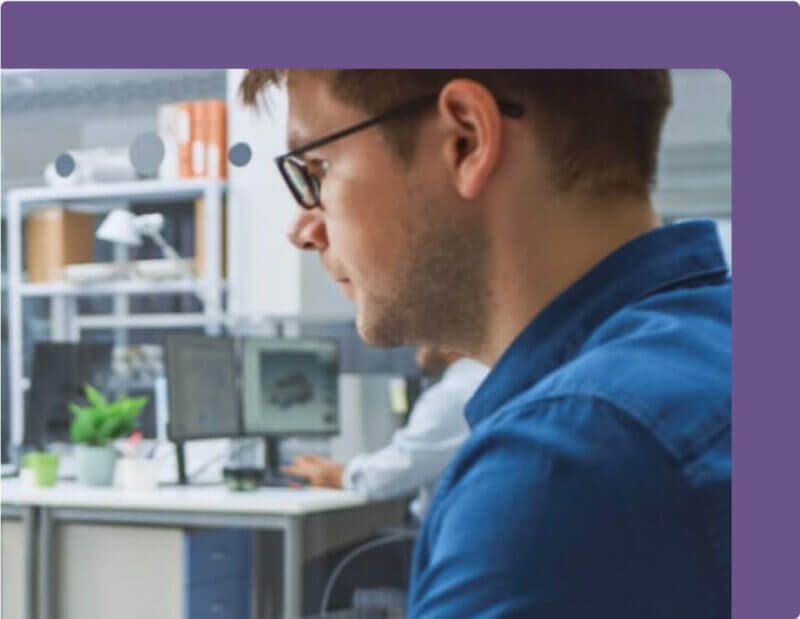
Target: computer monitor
x=357 y=357
x=202 y=387
x=59 y=372
x=291 y=387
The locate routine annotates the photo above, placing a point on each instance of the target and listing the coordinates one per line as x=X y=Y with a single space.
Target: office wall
x=269 y=276
x=694 y=165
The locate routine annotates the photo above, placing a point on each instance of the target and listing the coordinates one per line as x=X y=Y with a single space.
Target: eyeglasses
x=305 y=184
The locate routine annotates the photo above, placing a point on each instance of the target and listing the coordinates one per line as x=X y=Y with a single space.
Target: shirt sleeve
x=555 y=523
x=417 y=453
x=493 y=557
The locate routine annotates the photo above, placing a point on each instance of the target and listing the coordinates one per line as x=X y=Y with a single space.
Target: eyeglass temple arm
x=508 y=108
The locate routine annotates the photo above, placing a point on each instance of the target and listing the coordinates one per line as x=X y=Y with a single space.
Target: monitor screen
x=58 y=375
x=202 y=387
x=291 y=386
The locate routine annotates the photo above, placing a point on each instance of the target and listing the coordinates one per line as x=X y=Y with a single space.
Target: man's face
x=390 y=232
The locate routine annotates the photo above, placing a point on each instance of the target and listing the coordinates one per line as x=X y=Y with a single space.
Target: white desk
x=311 y=521
x=207 y=499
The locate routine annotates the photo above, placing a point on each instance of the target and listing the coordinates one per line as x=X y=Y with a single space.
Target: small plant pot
x=95 y=464
x=45 y=469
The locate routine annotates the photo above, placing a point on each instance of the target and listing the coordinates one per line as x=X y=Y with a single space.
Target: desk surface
x=218 y=499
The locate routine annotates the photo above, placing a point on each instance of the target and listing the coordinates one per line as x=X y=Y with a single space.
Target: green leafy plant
x=101 y=421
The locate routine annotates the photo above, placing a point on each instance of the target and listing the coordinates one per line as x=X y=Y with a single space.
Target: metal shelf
x=176 y=286
x=133 y=191
x=143 y=321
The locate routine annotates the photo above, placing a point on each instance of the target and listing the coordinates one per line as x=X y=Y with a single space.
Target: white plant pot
x=95 y=464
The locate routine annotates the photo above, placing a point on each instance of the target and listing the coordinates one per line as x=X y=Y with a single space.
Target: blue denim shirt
x=596 y=480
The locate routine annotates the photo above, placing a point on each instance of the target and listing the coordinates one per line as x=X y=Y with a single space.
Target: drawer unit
x=227 y=599
x=211 y=555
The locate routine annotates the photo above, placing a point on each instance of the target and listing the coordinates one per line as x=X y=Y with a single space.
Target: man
x=506 y=215
x=418 y=452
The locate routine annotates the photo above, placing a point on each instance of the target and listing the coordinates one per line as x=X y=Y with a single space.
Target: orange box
x=200 y=127
x=186 y=125
x=54 y=238
x=217 y=146
x=200 y=235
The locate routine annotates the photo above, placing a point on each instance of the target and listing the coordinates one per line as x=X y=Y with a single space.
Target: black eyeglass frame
x=507 y=108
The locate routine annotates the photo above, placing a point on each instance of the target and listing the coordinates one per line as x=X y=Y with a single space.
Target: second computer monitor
x=290 y=387
x=202 y=387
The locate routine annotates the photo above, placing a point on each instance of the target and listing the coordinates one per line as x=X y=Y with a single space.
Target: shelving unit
x=66 y=324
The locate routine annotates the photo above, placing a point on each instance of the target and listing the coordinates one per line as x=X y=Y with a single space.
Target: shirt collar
x=661 y=258
x=464 y=368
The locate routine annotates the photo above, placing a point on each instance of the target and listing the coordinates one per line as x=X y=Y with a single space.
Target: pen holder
x=138 y=474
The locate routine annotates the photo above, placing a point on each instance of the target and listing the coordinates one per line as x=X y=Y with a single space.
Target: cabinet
x=117 y=571
x=130 y=572
x=217 y=567
x=12 y=570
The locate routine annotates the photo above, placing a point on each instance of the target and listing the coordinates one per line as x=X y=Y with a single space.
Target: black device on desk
x=60 y=371
x=290 y=388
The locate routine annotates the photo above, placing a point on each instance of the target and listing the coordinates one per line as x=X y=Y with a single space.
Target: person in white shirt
x=418 y=452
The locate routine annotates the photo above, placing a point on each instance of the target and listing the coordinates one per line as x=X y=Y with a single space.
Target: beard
x=442 y=297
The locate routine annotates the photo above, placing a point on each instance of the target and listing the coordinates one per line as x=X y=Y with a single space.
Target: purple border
x=757 y=44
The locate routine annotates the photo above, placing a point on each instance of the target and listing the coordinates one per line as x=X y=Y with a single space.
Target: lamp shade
x=119 y=227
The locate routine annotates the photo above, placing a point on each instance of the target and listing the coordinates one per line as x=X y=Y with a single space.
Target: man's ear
x=473 y=134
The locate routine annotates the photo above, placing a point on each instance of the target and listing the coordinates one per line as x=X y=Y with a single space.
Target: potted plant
x=94 y=428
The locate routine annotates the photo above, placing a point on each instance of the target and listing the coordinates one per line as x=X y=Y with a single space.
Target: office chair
x=370 y=579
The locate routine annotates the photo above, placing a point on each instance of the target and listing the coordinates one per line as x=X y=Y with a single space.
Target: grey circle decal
x=65 y=165
x=146 y=154
x=240 y=154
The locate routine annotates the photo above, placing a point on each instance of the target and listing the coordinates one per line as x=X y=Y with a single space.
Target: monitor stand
x=272 y=472
x=181 y=463
x=183 y=478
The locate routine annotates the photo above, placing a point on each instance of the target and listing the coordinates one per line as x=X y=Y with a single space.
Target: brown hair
x=599 y=127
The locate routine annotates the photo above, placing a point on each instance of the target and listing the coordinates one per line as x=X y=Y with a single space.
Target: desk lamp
x=121 y=226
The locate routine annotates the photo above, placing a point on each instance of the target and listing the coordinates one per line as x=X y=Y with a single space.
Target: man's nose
x=308 y=231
